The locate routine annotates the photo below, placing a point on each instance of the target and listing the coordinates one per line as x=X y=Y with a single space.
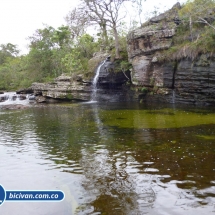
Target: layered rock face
x=184 y=81
x=145 y=43
x=63 y=88
x=195 y=80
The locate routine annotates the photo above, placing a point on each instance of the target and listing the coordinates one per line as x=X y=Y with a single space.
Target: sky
x=20 y=18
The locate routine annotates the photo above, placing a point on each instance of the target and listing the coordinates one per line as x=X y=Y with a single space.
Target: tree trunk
x=104 y=34
x=117 y=45
x=191 y=29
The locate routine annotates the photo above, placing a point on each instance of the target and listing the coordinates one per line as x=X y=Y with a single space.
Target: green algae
x=206 y=137
x=155 y=119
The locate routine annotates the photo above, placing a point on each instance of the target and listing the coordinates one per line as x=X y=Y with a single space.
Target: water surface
x=110 y=158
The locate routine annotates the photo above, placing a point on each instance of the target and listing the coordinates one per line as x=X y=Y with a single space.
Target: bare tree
x=77 y=21
x=105 y=13
x=108 y=14
x=198 y=11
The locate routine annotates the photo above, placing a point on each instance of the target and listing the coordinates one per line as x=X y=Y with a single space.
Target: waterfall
x=11 y=98
x=173 y=96
x=95 y=81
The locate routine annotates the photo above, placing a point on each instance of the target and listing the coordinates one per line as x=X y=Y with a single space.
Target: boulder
x=40 y=99
x=22 y=97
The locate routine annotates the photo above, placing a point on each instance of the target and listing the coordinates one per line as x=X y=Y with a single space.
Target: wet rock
x=14 y=97
x=25 y=91
x=22 y=97
x=110 y=77
x=3 y=98
x=40 y=99
x=31 y=97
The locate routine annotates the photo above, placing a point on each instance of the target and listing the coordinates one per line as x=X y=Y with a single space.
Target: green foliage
x=72 y=62
x=196 y=9
x=7 y=51
x=86 y=46
x=13 y=74
x=125 y=65
x=144 y=90
x=196 y=33
x=48 y=46
x=61 y=36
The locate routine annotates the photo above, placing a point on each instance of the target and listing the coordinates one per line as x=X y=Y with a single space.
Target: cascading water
x=95 y=81
x=173 y=96
x=11 y=98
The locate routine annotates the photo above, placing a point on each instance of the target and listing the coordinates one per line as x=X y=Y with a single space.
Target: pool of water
x=112 y=158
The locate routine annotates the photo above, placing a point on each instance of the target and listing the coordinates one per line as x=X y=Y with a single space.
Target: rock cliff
x=181 y=81
x=64 y=88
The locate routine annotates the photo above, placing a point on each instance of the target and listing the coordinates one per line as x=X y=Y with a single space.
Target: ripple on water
x=114 y=165
x=148 y=163
x=151 y=170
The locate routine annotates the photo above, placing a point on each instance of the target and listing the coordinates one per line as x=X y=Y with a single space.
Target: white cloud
x=20 y=18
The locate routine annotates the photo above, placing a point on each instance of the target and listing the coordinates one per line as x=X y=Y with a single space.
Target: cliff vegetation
x=195 y=33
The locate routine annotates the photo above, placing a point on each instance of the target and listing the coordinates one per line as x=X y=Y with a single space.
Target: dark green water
x=110 y=159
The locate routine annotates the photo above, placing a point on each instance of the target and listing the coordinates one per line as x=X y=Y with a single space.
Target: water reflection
x=107 y=162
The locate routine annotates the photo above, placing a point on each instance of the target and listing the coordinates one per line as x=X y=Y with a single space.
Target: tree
x=77 y=21
x=139 y=8
x=198 y=11
x=104 y=13
x=48 y=46
x=62 y=36
x=8 y=50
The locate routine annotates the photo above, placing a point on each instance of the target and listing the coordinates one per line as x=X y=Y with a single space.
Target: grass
x=185 y=46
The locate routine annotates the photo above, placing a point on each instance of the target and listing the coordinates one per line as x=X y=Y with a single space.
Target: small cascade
x=95 y=81
x=173 y=97
x=11 y=98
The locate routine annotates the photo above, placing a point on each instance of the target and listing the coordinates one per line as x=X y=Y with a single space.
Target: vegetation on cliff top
x=196 y=31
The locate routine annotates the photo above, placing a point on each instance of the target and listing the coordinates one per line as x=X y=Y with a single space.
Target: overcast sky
x=20 y=18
